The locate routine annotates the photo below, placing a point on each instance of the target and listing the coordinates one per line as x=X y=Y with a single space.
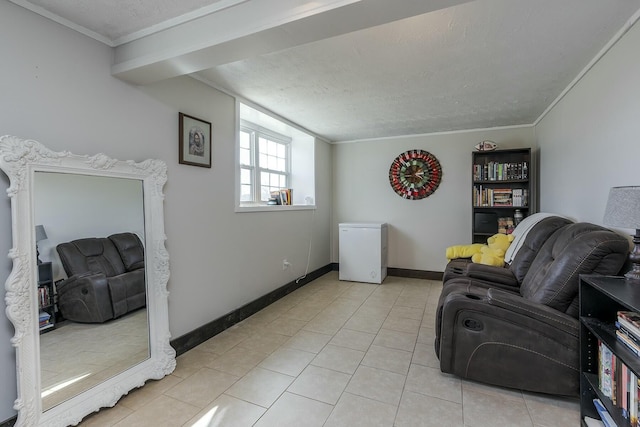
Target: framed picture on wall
x=195 y=141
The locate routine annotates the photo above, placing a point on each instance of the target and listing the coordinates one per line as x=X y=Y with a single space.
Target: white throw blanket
x=521 y=231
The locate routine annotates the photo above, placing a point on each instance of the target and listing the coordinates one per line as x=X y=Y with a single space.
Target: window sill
x=273 y=208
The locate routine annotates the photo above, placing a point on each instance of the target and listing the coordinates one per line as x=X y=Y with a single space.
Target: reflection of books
x=44 y=319
x=43 y=296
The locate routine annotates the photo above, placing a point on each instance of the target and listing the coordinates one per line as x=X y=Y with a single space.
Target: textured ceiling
x=479 y=64
x=112 y=21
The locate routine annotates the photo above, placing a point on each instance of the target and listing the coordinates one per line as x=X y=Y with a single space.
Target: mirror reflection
x=91 y=280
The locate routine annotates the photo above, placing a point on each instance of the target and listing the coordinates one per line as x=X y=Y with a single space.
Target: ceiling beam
x=253 y=28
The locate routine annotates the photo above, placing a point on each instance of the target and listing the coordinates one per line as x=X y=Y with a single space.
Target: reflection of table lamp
x=623 y=210
x=40 y=235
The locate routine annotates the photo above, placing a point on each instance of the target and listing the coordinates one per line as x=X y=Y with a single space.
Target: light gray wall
x=225 y=259
x=590 y=141
x=57 y=89
x=419 y=230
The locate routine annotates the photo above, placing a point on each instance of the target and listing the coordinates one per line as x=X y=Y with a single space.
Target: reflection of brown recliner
x=528 y=337
x=105 y=278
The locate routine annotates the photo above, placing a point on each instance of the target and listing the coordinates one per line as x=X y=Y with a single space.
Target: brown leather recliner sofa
x=526 y=336
x=106 y=278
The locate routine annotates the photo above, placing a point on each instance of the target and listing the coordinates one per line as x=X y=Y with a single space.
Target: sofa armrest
x=488 y=273
x=542 y=313
x=501 y=308
x=85 y=298
x=498 y=337
x=126 y=289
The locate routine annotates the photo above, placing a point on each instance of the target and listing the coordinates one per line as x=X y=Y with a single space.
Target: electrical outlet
x=285 y=264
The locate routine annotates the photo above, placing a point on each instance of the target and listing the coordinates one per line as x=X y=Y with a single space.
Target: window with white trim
x=272 y=156
x=264 y=163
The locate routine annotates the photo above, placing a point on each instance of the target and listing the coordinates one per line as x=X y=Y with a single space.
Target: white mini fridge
x=363 y=252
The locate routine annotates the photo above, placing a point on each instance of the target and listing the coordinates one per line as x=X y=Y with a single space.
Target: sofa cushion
x=533 y=241
x=521 y=232
x=130 y=248
x=127 y=292
x=580 y=248
x=97 y=255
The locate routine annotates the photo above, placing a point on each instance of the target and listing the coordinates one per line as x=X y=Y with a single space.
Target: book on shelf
x=628 y=332
x=631 y=320
x=275 y=198
x=285 y=196
x=495 y=197
x=633 y=399
x=619 y=384
x=43 y=296
x=592 y=422
x=44 y=319
x=518 y=197
x=281 y=197
x=500 y=171
x=604 y=414
x=43 y=316
x=605 y=378
x=623 y=396
x=502 y=197
x=623 y=338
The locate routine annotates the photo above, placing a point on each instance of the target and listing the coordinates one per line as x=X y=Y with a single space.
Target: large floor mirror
x=87 y=294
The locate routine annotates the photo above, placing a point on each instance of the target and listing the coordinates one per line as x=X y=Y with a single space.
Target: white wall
x=224 y=259
x=590 y=141
x=419 y=230
x=302 y=168
x=57 y=89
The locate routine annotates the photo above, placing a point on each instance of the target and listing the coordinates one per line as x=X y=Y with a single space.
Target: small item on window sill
x=275 y=198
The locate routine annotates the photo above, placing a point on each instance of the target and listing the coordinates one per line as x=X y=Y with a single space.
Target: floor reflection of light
x=62 y=385
x=207 y=420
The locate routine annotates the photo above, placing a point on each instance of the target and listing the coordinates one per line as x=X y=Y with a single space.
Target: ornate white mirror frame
x=20 y=159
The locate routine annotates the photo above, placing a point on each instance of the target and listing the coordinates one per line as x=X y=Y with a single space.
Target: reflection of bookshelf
x=46 y=297
x=501 y=183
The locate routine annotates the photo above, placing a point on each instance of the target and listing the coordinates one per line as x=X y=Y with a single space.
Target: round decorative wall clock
x=415 y=174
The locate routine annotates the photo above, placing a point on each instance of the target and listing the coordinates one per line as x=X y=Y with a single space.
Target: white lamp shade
x=623 y=207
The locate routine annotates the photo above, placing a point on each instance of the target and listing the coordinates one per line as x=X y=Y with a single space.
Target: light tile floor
x=82 y=355
x=331 y=354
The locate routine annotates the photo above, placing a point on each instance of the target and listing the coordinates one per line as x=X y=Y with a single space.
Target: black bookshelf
x=601 y=297
x=501 y=184
x=46 y=296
